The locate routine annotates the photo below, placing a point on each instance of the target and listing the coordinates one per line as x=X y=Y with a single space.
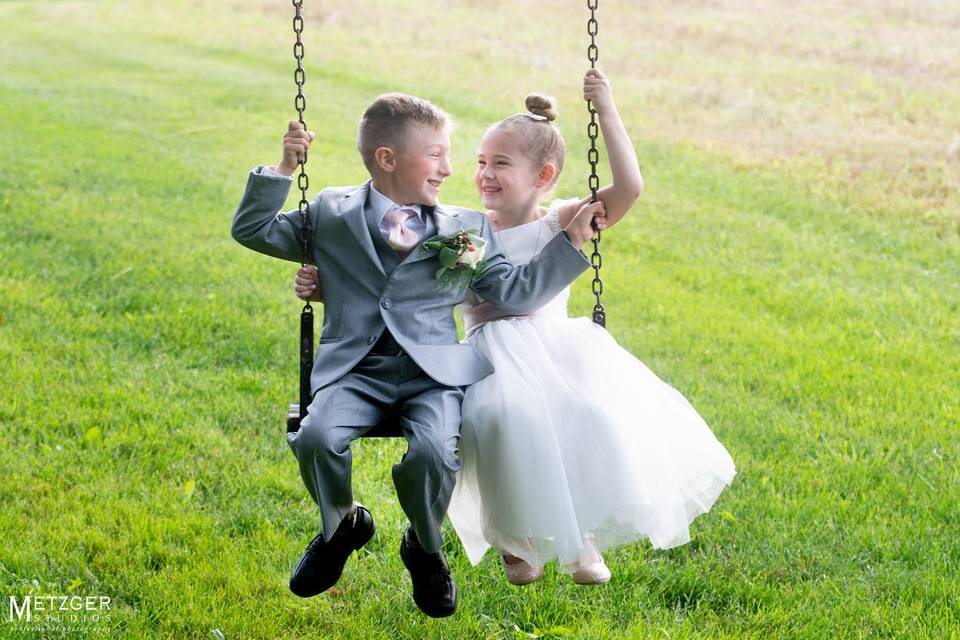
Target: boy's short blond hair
x=387 y=122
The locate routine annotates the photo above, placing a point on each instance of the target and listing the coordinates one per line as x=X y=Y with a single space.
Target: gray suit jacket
x=361 y=298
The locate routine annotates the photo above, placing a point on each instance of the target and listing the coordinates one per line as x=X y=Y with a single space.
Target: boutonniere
x=461 y=257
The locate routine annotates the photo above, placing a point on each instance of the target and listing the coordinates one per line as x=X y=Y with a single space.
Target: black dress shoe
x=322 y=563
x=433 y=588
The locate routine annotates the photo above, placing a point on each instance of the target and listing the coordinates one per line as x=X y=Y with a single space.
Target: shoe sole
x=591 y=581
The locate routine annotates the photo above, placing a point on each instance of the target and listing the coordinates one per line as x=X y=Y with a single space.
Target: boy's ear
x=546 y=174
x=386 y=159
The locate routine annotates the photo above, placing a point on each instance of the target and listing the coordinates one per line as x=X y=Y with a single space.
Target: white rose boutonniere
x=461 y=257
x=472 y=256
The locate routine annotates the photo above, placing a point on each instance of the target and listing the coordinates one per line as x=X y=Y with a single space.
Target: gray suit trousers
x=382 y=386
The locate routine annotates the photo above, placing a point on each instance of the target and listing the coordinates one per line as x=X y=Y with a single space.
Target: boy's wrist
x=283 y=170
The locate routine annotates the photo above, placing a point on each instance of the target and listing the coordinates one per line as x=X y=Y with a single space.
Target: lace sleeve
x=552 y=218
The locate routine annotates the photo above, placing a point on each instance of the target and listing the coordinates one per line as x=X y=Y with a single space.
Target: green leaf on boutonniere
x=448 y=257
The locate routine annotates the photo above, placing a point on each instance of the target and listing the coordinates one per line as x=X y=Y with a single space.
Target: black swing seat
x=386 y=429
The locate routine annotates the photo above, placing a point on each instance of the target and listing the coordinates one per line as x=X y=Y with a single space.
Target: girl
x=572 y=446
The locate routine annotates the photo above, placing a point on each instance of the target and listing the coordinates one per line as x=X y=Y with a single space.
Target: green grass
x=808 y=307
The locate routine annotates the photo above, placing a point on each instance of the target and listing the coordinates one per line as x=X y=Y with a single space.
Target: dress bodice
x=519 y=245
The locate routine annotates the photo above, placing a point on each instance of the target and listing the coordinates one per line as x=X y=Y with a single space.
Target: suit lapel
x=447 y=222
x=351 y=212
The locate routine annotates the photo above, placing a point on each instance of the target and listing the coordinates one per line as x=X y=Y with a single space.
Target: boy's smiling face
x=422 y=165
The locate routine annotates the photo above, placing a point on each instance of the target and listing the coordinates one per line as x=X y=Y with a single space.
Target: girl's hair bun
x=542 y=105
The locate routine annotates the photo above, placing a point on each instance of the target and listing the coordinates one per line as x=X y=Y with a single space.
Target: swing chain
x=306 y=230
x=593 y=157
x=300 y=104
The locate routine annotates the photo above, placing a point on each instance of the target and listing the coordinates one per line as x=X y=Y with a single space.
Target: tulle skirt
x=573 y=440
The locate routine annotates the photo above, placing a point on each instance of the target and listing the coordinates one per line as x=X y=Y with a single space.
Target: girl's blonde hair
x=540 y=139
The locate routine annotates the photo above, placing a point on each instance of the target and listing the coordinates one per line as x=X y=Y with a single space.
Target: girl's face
x=505 y=179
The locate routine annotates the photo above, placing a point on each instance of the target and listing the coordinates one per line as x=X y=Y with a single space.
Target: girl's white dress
x=573 y=438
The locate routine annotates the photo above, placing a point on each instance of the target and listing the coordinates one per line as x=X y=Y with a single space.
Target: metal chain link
x=593 y=157
x=306 y=230
x=300 y=104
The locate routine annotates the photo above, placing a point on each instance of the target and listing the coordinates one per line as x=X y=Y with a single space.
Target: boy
x=389 y=344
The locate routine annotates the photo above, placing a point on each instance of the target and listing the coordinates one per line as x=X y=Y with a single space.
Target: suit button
x=371 y=339
x=386 y=303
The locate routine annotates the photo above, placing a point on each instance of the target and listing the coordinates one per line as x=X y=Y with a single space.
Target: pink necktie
x=401 y=239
